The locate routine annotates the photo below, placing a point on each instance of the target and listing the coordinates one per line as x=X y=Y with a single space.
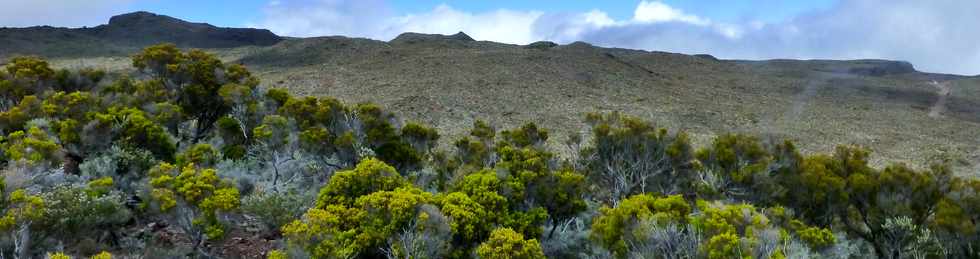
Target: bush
x=199 y=194
x=275 y=210
x=630 y=156
x=74 y=213
x=371 y=175
x=505 y=243
x=613 y=227
x=362 y=228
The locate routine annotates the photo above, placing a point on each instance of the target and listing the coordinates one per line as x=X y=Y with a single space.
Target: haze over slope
x=450 y=81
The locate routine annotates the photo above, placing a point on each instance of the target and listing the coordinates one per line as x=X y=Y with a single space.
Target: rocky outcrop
x=145 y=28
x=542 y=45
x=125 y=34
x=414 y=38
x=882 y=68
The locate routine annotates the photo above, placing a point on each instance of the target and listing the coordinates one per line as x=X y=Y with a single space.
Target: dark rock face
x=883 y=68
x=127 y=33
x=542 y=45
x=706 y=56
x=147 y=28
x=412 y=38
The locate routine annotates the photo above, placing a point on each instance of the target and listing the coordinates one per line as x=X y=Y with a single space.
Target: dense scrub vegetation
x=190 y=153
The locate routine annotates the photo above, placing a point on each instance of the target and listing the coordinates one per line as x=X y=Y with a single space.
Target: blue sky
x=935 y=35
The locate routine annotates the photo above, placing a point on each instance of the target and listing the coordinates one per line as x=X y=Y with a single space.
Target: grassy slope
x=451 y=83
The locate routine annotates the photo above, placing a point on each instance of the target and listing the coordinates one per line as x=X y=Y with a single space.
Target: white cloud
x=374 y=19
x=306 y=18
x=63 y=13
x=501 y=25
x=938 y=35
x=654 y=12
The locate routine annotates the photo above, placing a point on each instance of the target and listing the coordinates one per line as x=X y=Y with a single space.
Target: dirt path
x=939 y=108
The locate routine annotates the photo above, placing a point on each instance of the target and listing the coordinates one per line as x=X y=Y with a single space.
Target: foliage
x=58 y=255
x=195 y=143
x=21 y=209
x=102 y=255
x=630 y=156
x=277 y=254
x=371 y=175
x=33 y=147
x=275 y=210
x=201 y=154
x=200 y=189
x=83 y=211
x=505 y=243
x=341 y=231
x=612 y=227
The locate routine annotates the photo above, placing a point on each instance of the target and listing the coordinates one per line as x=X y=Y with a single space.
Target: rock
x=882 y=68
x=150 y=28
x=127 y=32
x=541 y=45
x=413 y=38
x=706 y=56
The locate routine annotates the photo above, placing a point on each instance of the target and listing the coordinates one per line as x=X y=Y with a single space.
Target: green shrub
x=505 y=243
x=275 y=210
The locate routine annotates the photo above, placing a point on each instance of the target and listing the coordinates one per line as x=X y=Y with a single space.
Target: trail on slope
x=943 y=91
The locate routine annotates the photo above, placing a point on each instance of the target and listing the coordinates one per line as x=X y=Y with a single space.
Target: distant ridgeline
x=125 y=34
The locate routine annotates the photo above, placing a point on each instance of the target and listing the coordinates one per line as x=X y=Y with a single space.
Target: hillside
x=449 y=81
x=125 y=34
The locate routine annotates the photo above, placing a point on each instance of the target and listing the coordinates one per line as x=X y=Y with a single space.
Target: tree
x=132 y=127
x=844 y=188
x=737 y=166
x=196 y=78
x=24 y=76
x=957 y=218
x=562 y=194
x=630 y=156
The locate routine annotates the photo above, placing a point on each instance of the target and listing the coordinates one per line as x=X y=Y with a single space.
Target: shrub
x=275 y=210
x=505 y=243
x=203 y=155
x=630 y=156
x=363 y=228
x=75 y=212
x=277 y=254
x=613 y=227
x=197 y=192
x=102 y=255
x=370 y=175
x=34 y=147
x=426 y=236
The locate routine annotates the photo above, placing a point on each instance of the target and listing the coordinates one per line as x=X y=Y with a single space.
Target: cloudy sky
x=935 y=35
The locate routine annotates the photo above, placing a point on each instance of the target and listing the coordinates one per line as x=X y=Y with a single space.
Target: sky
x=935 y=35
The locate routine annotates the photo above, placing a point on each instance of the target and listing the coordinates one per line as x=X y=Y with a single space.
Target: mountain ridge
x=127 y=33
